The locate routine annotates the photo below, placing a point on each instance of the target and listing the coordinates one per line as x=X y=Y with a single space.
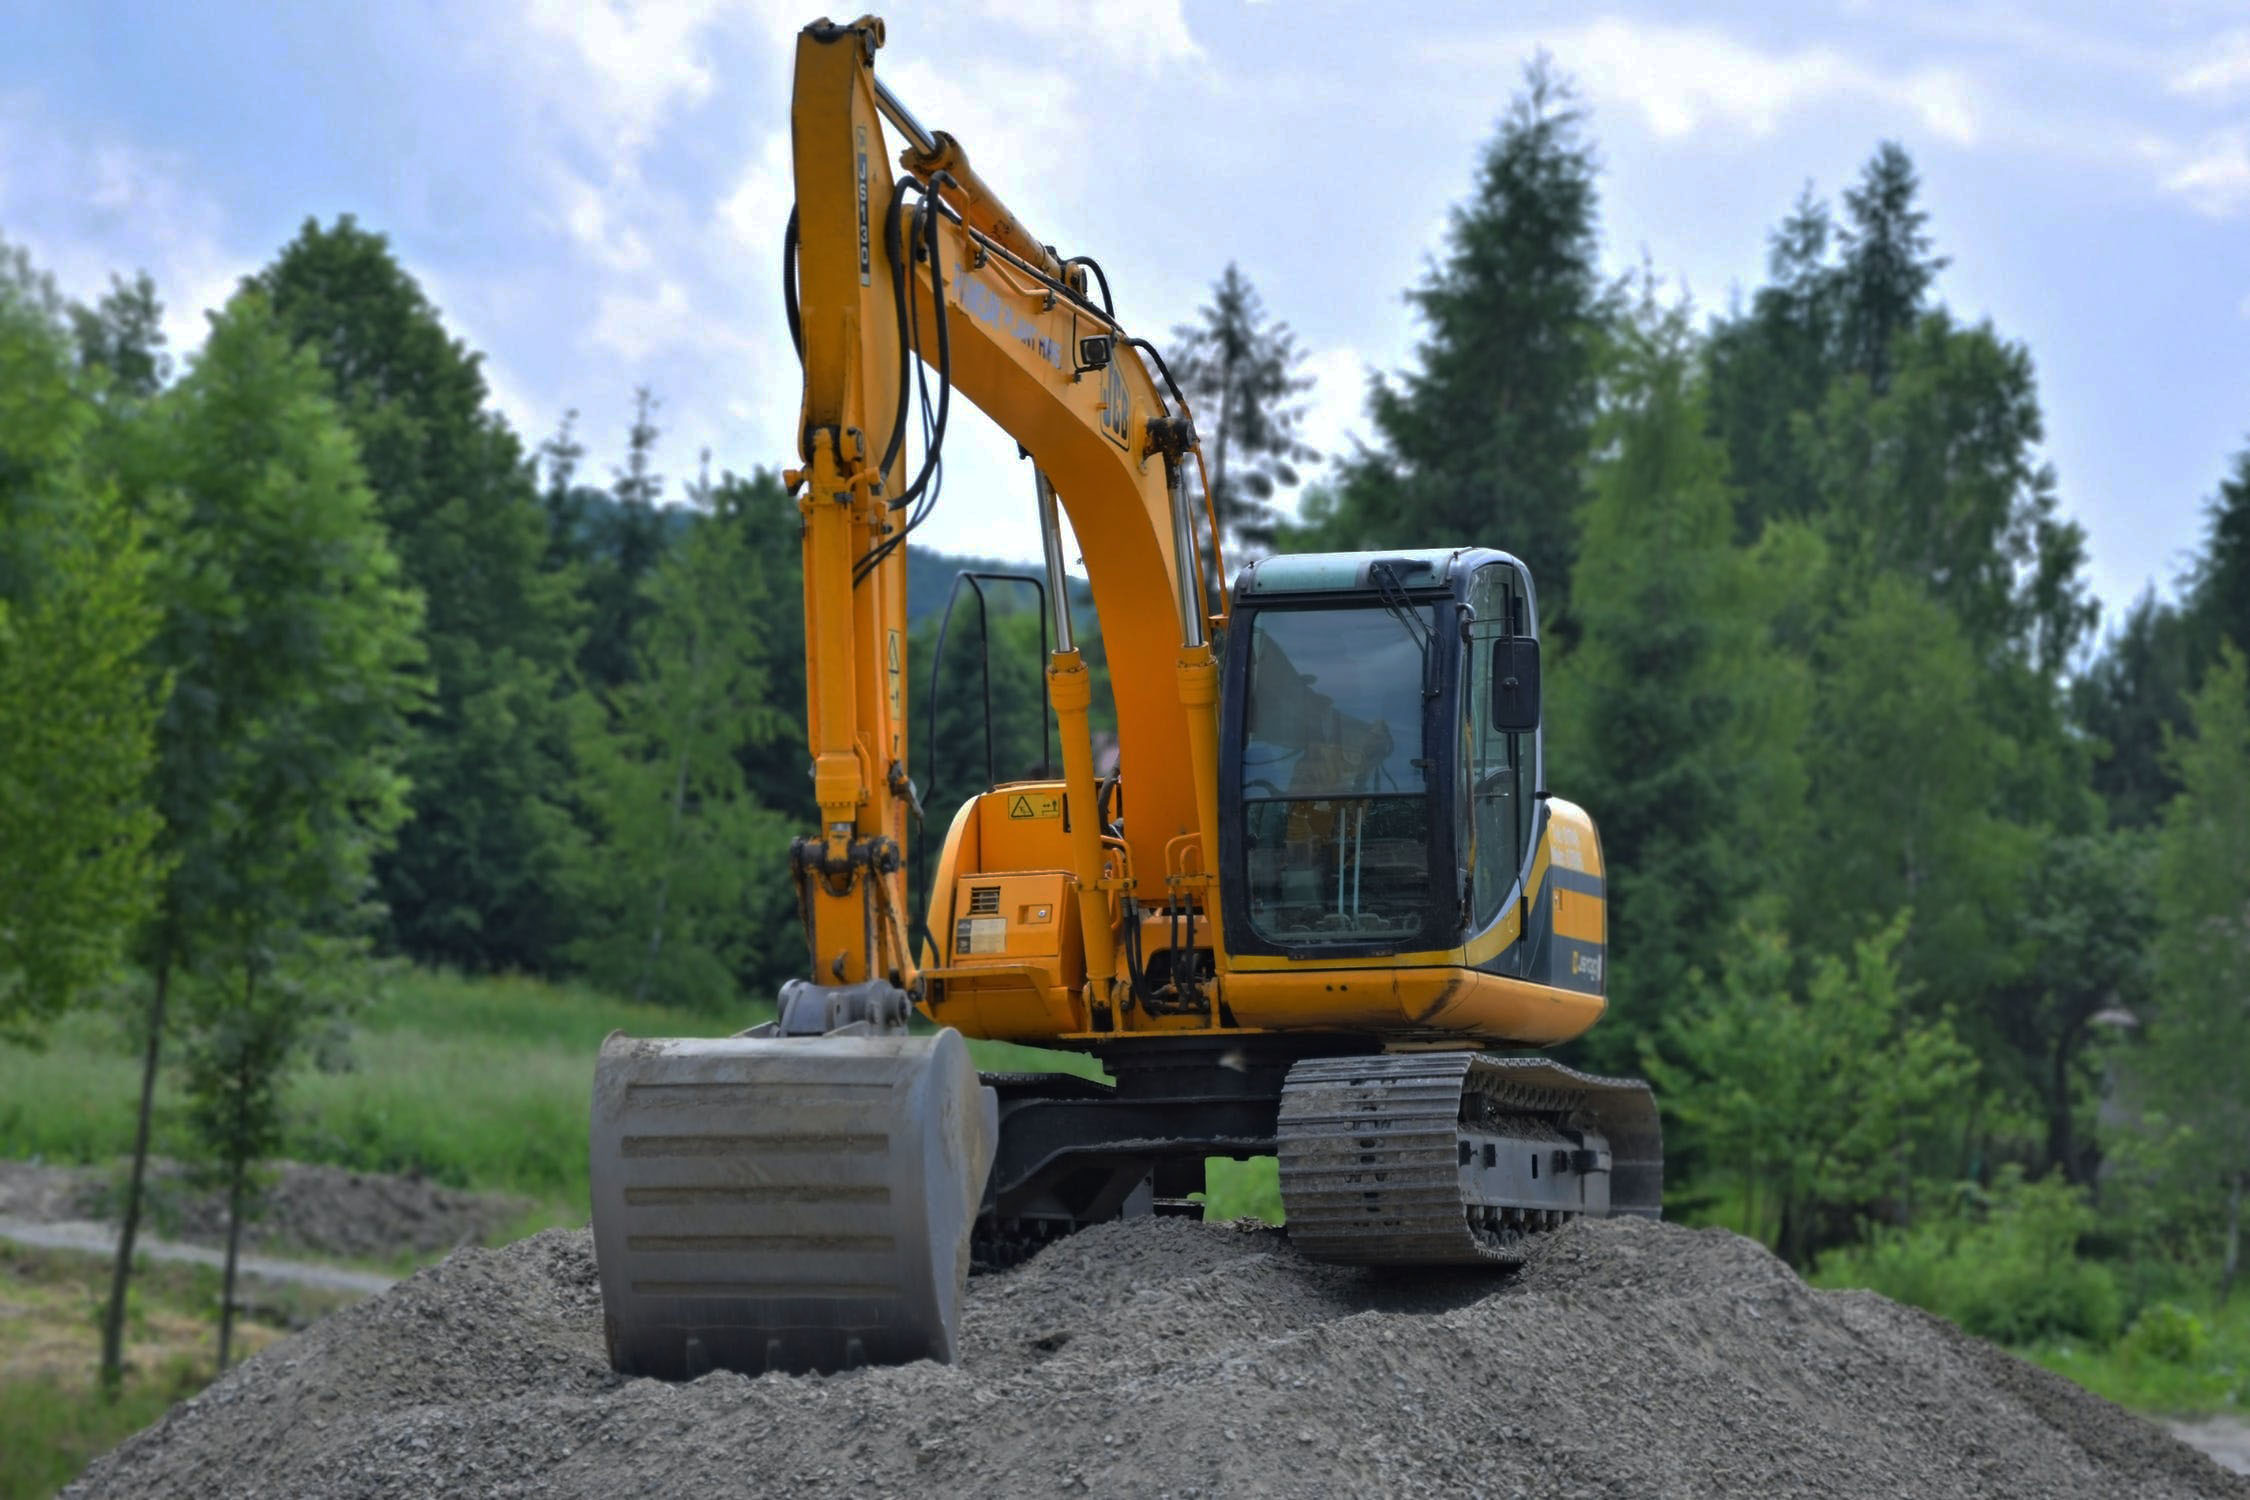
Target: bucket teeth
x=785 y=1203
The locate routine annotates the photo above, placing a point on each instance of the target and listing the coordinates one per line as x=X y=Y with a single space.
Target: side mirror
x=1515 y=684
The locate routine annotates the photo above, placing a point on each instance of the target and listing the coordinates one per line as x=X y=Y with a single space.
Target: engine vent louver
x=984 y=900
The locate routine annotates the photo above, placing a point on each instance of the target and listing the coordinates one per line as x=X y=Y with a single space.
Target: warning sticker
x=898 y=693
x=1035 y=805
x=980 y=935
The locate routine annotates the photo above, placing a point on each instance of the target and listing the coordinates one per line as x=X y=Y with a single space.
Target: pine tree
x=1904 y=808
x=2219 y=586
x=1887 y=268
x=1486 y=441
x=559 y=456
x=475 y=878
x=1240 y=373
x=685 y=885
x=1938 y=479
x=2135 y=692
x=1771 y=365
x=626 y=542
x=2130 y=697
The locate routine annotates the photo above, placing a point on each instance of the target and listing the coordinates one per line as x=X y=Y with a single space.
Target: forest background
x=1931 y=896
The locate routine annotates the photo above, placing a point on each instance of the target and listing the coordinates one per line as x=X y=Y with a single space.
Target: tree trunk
x=679 y=817
x=113 y=1322
x=2234 y=1237
x=234 y=1247
x=2062 y=1145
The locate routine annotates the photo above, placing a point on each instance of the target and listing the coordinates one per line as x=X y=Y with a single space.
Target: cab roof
x=1341 y=572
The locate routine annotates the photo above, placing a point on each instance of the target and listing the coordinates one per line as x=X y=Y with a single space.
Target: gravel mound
x=311 y=1210
x=1164 y=1357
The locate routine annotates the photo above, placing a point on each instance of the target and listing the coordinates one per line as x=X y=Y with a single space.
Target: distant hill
x=929 y=574
x=929 y=579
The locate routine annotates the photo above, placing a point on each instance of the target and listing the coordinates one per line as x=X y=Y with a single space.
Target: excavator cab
x=1380 y=760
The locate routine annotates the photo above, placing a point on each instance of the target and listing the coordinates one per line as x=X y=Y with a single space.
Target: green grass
x=1248 y=1189
x=52 y=1420
x=50 y=1429
x=475 y=1083
x=472 y=1083
x=2168 y=1375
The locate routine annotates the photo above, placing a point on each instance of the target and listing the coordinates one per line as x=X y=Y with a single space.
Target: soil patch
x=309 y=1210
x=1164 y=1357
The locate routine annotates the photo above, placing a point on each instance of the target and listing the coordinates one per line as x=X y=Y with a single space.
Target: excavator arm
x=926 y=262
x=800 y=1196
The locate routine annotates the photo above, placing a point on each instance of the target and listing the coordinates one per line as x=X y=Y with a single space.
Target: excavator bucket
x=785 y=1203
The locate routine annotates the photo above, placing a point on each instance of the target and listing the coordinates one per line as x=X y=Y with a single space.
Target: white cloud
x=1142 y=36
x=628 y=66
x=2222 y=68
x=89 y=208
x=1338 y=410
x=755 y=208
x=1021 y=125
x=589 y=213
x=676 y=273
x=2215 y=176
x=638 y=325
x=1686 y=79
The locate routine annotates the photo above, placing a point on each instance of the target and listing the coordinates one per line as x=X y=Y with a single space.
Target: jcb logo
x=1117 y=406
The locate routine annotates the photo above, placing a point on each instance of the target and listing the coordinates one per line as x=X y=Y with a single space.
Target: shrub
x=2167 y=1333
x=2005 y=1268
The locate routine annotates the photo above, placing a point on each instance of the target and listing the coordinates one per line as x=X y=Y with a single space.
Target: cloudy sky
x=593 y=193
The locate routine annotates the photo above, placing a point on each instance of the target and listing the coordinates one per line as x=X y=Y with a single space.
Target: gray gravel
x=1164 y=1357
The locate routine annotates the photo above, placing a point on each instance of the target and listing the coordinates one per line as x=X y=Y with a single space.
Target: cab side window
x=1498 y=801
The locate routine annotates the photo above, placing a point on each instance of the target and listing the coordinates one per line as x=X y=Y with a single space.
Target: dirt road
x=101 y=1239
x=2226 y=1439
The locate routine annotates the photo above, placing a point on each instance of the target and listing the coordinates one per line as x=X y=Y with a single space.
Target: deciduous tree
x=290 y=646
x=2197 y=1055
x=476 y=876
x=1810 y=1089
x=1675 y=717
x=686 y=884
x=75 y=698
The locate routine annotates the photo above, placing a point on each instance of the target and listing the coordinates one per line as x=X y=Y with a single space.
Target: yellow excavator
x=1323 y=883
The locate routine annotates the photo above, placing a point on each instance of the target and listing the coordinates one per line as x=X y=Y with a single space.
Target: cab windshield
x=1335 y=777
